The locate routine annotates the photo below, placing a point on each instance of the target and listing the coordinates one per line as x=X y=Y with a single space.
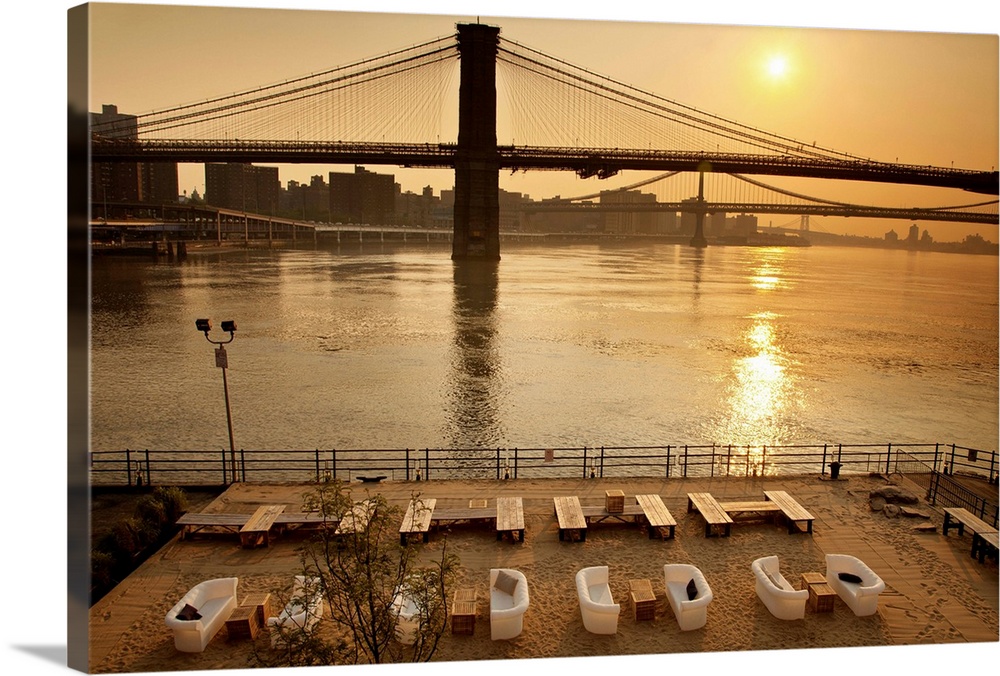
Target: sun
x=777 y=67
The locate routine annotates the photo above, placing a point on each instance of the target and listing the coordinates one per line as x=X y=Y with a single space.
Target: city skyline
x=916 y=98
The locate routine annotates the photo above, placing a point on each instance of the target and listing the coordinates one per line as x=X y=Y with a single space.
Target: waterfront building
x=362 y=197
x=150 y=182
x=243 y=187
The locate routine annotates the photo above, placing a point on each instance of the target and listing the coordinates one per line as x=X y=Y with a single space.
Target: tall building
x=362 y=197
x=629 y=222
x=243 y=187
x=151 y=182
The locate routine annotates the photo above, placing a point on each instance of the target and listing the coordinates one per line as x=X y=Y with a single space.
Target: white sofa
x=507 y=609
x=598 y=608
x=690 y=613
x=302 y=612
x=214 y=601
x=780 y=597
x=407 y=617
x=861 y=597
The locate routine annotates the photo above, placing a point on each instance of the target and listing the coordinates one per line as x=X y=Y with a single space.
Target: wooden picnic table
x=793 y=511
x=738 y=510
x=510 y=518
x=417 y=520
x=570 y=516
x=254 y=532
x=713 y=513
x=658 y=517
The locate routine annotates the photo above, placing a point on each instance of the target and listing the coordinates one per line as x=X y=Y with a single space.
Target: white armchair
x=690 y=613
x=209 y=603
x=508 y=602
x=598 y=608
x=302 y=612
x=861 y=597
x=780 y=597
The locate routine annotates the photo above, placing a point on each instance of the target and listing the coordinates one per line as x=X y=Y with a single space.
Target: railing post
x=822 y=467
x=888 y=459
x=427 y=464
x=243 y=466
x=685 y=461
x=936 y=450
x=224 y=467
x=763 y=460
x=333 y=461
x=584 y=462
x=953 y=458
x=668 y=461
x=712 y=473
x=729 y=458
x=318 y=477
x=128 y=466
x=407 y=464
x=498 y=464
x=601 y=474
x=840 y=448
x=149 y=475
x=515 y=462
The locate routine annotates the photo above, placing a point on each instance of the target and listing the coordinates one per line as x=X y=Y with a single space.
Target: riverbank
x=936 y=593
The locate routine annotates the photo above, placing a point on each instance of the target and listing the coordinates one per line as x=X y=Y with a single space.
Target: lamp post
x=222 y=361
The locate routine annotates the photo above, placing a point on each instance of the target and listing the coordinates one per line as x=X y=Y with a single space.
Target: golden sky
x=910 y=96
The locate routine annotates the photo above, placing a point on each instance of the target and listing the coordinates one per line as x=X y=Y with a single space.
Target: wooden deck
x=417 y=520
x=510 y=519
x=715 y=516
x=254 y=533
x=794 y=512
x=572 y=522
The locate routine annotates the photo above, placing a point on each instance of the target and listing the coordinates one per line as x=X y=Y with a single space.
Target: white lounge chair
x=690 y=613
x=302 y=612
x=210 y=604
x=598 y=608
x=780 y=597
x=508 y=602
x=861 y=597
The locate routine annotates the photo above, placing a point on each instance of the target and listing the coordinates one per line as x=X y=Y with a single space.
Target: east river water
x=555 y=346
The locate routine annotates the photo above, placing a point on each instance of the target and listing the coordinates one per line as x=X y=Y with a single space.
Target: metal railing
x=189 y=467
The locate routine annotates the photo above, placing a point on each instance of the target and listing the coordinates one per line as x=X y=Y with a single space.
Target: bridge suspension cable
x=399 y=96
x=556 y=99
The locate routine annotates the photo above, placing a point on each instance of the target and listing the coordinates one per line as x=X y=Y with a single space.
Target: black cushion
x=849 y=577
x=188 y=612
x=692 y=590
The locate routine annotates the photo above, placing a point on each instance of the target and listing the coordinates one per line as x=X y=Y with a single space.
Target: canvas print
x=414 y=338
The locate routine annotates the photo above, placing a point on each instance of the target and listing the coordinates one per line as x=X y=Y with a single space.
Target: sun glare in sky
x=777 y=67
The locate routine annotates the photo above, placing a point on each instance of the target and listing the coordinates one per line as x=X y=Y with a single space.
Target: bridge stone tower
x=477 y=167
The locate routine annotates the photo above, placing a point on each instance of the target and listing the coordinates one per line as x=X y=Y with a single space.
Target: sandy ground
x=936 y=593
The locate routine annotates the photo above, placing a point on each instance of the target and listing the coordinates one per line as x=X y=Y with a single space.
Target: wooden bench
x=713 y=513
x=356 y=519
x=984 y=535
x=510 y=518
x=658 y=517
x=417 y=520
x=193 y=522
x=254 y=532
x=793 y=511
x=572 y=522
x=739 y=510
x=477 y=511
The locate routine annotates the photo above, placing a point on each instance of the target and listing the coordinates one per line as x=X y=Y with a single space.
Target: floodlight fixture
x=204 y=325
x=229 y=326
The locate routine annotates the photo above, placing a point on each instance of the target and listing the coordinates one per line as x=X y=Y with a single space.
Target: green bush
x=152 y=512
x=174 y=502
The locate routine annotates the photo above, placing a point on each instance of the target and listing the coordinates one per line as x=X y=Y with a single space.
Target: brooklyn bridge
x=388 y=111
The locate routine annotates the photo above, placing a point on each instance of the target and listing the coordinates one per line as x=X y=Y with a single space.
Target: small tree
x=365 y=571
